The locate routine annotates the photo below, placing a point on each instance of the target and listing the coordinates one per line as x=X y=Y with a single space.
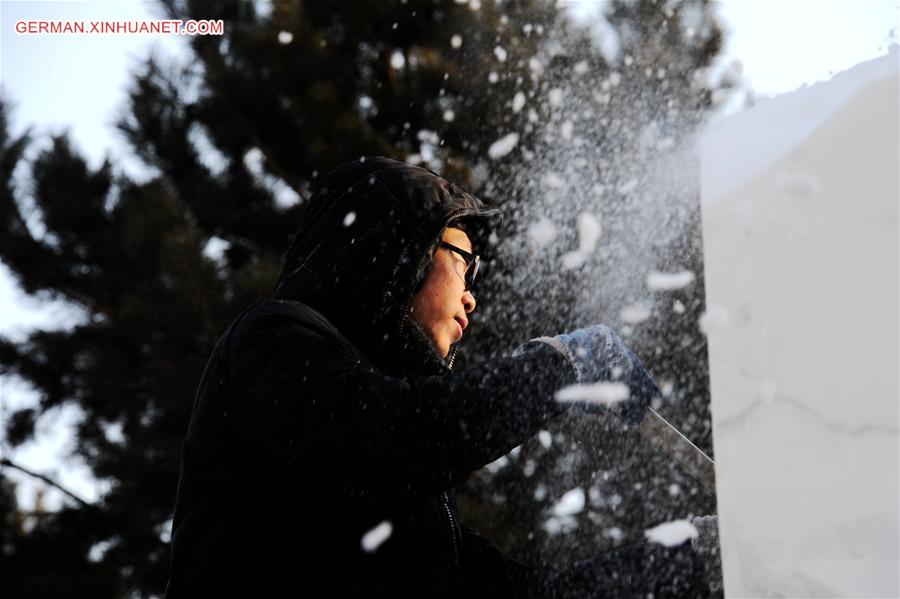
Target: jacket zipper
x=453 y=528
x=452 y=357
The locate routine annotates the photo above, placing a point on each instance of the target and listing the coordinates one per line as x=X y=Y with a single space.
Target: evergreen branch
x=274 y=166
x=46 y=479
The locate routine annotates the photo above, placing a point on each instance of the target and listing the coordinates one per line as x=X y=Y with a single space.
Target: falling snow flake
x=503 y=146
x=398 y=61
x=715 y=317
x=572 y=502
x=375 y=537
x=518 y=102
x=555 y=96
x=635 y=313
x=628 y=187
x=542 y=233
x=603 y=393
x=672 y=533
x=588 y=232
x=546 y=439
x=574 y=259
x=552 y=180
x=665 y=281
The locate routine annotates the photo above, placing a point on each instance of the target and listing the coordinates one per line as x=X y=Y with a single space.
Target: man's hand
x=598 y=355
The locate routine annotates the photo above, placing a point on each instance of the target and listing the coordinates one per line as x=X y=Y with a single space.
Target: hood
x=363 y=244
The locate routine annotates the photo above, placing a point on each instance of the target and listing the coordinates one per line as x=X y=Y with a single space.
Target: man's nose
x=468 y=301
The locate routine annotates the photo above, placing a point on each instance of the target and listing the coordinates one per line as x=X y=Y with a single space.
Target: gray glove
x=598 y=355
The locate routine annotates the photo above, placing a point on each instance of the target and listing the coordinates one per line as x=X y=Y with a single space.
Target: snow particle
x=552 y=180
x=542 y=233
x=398 y=61
x=285 y=37
x=634 y=313
x=497 y=465
x=572 y=502
x=545 y=438
x=566 y=130
x=493 y=77
x=628 y=187
x=603 y=393
x=375 y=537
x=503 y=146
x=555 y=96
x=664 y=281
x=715 y=317
x=518 y=102
x=588 y=232
x=572 y=260
x=614 y=533
x=449 y=115
x=529 y=468
x=665 y=144
x=456 y=41
x=500 y=53
x=672 y=533
x=349 y=218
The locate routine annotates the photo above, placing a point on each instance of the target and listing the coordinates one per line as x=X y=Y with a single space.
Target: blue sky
x=78 y=83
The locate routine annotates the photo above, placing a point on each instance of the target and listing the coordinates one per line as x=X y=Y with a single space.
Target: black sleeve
x=303 y=396
x=489 y=572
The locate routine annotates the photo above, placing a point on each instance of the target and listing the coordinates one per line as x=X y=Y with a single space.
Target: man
x=329 y=427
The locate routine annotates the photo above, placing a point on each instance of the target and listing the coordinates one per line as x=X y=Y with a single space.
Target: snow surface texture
x=799 y=201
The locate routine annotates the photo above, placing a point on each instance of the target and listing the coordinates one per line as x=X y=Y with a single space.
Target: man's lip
x=463 y=323
x=460 y=326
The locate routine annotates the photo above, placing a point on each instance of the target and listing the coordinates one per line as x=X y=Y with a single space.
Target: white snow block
x=800 y=222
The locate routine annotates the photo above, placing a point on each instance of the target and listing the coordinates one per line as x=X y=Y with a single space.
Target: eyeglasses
x=472 y=262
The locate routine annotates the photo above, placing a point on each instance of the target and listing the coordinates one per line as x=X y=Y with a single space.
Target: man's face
x=441 y=304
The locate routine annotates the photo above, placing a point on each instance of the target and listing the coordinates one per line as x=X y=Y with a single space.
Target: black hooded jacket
x=326 y=411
